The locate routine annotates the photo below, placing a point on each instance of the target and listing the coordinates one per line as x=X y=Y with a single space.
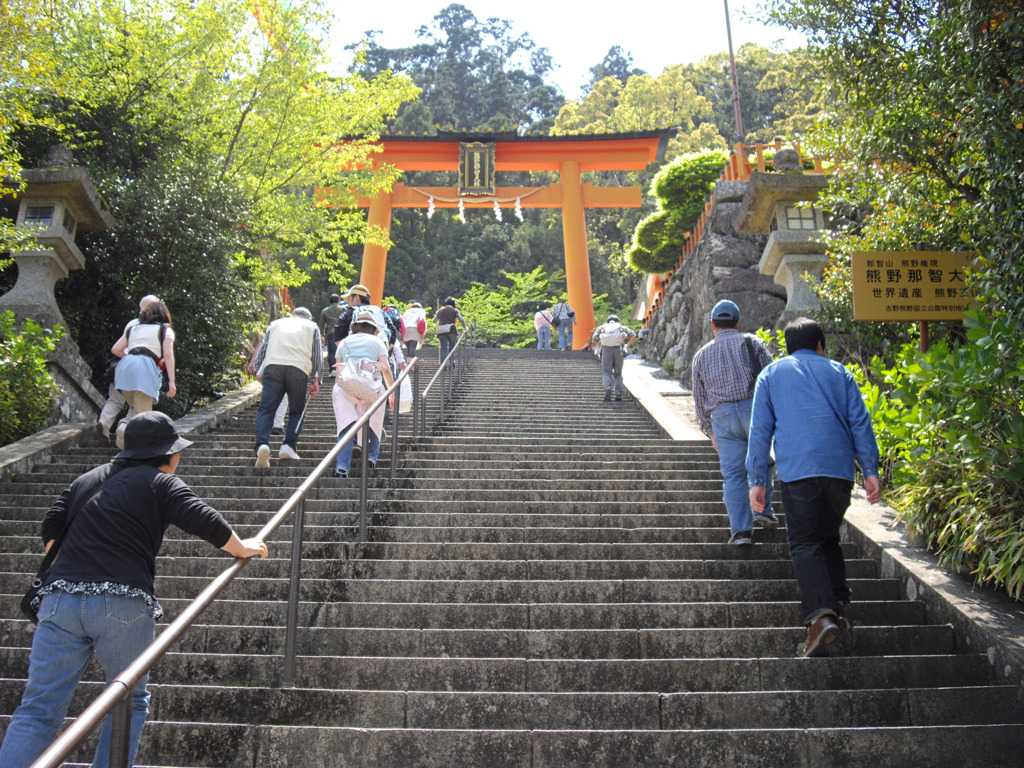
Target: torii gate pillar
x=577 y=260
x=375 y=257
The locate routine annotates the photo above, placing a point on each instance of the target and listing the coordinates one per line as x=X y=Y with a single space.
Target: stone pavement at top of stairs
x=664 y=398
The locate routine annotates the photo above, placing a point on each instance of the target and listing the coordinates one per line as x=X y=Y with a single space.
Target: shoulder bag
x=44 y=569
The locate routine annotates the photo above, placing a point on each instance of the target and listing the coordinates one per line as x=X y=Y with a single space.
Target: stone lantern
x=774 y=204
x=58 y=201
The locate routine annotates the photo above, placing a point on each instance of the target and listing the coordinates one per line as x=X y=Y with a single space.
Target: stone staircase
x=547 y=583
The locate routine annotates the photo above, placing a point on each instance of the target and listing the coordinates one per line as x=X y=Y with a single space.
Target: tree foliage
x=681 y=189
x=206 y=127
x=928 y=120
x=27 y=75
x=617 y=63
x=28 y=391
x=951 y=431
x=780 y=91
x=472 y=74
x=645 y=103
x=929 y=133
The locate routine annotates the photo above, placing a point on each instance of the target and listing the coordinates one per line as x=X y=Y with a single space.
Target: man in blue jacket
x=813 y=408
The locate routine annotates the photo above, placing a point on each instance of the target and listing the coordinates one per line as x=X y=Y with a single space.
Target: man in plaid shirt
x=723 y=389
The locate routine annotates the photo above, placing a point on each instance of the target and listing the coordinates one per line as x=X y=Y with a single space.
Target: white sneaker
x=287 y=452
x=119 y=436
x=263 y=456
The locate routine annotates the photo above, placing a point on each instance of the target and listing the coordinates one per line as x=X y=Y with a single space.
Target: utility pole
x=735 y=87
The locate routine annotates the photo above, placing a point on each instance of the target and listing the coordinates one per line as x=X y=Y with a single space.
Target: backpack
x=360 y=380
x=159 y=360
x=395 y=316
x=612 y=335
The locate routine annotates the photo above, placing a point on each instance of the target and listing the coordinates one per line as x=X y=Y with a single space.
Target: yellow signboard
x=910 y=285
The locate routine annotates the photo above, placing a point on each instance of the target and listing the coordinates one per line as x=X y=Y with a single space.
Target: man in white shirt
x=288 y=363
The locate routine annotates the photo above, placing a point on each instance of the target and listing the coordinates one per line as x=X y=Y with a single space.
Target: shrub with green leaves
x=950 y=426
x=680 y=187
x=28 y=391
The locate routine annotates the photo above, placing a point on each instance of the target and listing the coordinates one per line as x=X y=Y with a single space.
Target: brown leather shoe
x=821 y=632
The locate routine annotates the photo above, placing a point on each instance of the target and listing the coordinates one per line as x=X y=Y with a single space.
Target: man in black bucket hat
x=99 y=596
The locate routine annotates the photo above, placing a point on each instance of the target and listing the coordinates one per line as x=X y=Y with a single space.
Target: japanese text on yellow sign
x=910 y=285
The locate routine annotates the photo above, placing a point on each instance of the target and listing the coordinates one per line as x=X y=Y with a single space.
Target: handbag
x=42 y=576
x=446 y=328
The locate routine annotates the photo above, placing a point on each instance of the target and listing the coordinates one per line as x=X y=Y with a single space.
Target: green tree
x=206 y=127
x=929 y=128
x=928 y=122
x=473 y=74
x=681 y=188
x=27 y=75
x=28 y=391
x=617 y=64
x=645 y=103
x=780 y=92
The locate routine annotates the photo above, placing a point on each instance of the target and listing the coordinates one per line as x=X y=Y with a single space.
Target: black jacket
x=117 y=534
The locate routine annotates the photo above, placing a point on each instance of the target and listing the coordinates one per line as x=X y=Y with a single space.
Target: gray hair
x=303 y=312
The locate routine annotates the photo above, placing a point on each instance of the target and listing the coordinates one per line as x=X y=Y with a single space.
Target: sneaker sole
x=766 y=522
x=263 y=458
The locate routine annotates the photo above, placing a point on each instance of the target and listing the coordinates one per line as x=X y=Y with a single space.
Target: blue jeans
x=815 y=507
x=565 y=333
x=71 y=627
x=730 y=423
x=447 y=341
x=332 y=350
x=344 y=460
x=544 y=337
x=279 y=380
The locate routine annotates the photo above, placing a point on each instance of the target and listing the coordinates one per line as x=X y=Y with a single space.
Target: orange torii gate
x=482 y=154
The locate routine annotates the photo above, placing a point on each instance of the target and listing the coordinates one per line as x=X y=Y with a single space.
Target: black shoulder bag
x=44 y=570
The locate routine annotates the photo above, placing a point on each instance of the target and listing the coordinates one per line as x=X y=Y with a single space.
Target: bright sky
x=658 y=33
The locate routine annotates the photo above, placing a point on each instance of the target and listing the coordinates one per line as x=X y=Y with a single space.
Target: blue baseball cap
x=725 y=310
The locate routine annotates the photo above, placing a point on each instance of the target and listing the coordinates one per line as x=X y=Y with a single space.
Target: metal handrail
x=463 y=350
x=116 y=697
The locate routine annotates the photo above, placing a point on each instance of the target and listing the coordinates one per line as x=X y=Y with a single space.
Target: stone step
x=512 y=675
x=591 y=615
x=871 y=708
x=17 y=564
x=653 y=643
x=346 y=548
x=505 y=591
x=547 y=582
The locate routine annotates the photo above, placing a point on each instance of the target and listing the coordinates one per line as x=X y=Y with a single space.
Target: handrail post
x=292 y=620
x=120 y=732
x=441 y=393
x=415 y=397
x=394 y=435
x=364 y=462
